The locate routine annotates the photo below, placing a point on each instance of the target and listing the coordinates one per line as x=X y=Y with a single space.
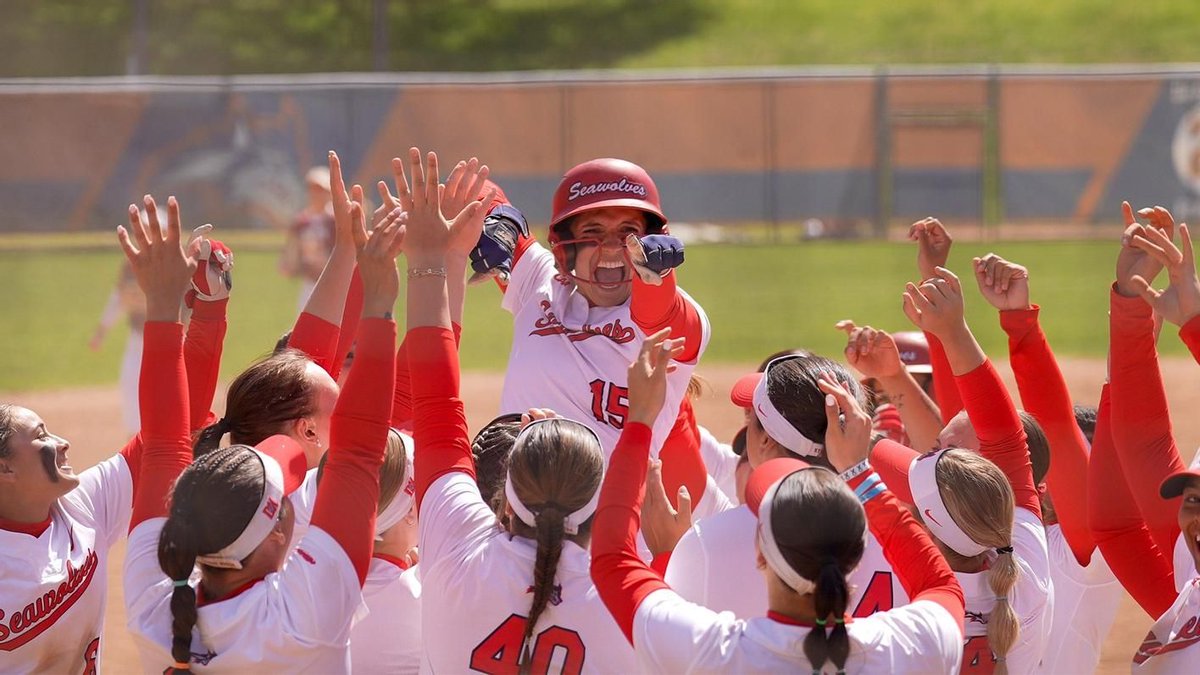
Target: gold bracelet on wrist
x=427 y=272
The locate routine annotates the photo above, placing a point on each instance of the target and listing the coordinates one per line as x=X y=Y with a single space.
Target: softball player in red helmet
x=811 y=527
x=56 y=526
x=582 y=308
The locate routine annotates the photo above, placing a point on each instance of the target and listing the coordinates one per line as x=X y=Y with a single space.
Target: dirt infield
x=91 y=419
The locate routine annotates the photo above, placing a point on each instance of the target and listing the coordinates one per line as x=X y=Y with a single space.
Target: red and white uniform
x=1085 y=605
x=388 y=639
x=715 y=565
x=1172 y=647
x=670 y=634
x=573 y=358
x=53 y=574
x=721 y=463
x=297 y=619
x=476 y=578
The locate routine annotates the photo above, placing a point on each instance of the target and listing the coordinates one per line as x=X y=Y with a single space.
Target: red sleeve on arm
x=1001 y=436
x=621 y=578
x=682 y=463
x=350 y=317
x=402 y=405
x=916 y=560
x=165 y=434
x=439 y=423
x=202 y=355
x=1190 y=334
x=317 y=338
x=1117 y=525
x=945 y=391
x=1141 y=424
x=654 y=308
x=348 y=496
x=1045 y=396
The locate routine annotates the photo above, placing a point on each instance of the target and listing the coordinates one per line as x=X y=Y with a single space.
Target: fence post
x=883 y=155
x=993 y=177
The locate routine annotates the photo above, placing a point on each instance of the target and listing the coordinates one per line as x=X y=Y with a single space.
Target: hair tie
x=820 y=622
x=179 y=583
x=840 y=620
x=181 y=666
x=1004 y=549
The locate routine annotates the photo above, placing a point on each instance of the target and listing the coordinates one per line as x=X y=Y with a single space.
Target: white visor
x=261 y=523
x=776 y=425
x=922 y=480
x=573 y=520
x=402 y=503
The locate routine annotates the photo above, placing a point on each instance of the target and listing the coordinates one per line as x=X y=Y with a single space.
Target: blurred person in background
x=310 y=237
x=125 y=302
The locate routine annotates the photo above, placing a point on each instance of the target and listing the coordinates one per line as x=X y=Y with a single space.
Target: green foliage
x=758 y=298
x=94 y=37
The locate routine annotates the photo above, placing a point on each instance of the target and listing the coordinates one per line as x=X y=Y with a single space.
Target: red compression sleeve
x=202 y=355
x=945 y=391
x=1045 y=396
x=348 y=496
x=1001 y=436
x=1190 y=334
x=916 y=560
x=654 y=308
x=1141 y=424
x=349 y=329
x=439 y=423
x=163 y=402
x=402 y=404
x=317 y=338
x=1117 y=525
x=622 y=579
x=682 y=463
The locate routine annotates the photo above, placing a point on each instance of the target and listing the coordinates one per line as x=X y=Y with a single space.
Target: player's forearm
x=348 y=330
x=166 y=449
x=654 y=308
x=1190 y=334
x=202 y=355
x=922 y=421
x=1001 y=435
x=945 y=390
x=456 y=285
x=439 y=423
x=328 y=299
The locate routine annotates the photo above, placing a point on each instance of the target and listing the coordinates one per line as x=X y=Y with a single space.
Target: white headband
x=770 y=550
x=922 y=480
x=573 y=520
x=402 y=503
x=776 y=425
x=261 y=523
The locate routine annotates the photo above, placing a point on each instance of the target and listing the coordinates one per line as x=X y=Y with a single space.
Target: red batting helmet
x=598 y=184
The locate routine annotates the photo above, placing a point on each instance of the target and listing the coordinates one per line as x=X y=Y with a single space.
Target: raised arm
x=937 y=306
x=348 y=496
x=933 y=250
x=209 y=299
x=1141 y=422
x=163 y=272
x=1044 y=394
x=656 y=301
x=622 y=579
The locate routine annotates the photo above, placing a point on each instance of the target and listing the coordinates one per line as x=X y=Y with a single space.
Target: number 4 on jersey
x=610 y=403
x=500 y=652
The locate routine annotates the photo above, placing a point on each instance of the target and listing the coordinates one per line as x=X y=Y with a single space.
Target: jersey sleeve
x=454 y=522
x=622 y=578
x=202 y=357
x=317 y=338
x=402 y=403
x=319 y=590
x=105 y=497
x=681 y=460
x=1001 y=436
x=439 y=423
x=1190 y=334
x=348 y=496
x=1140 y=421
x=945 y=391
x=922 y=636
x=351 y=314
x=531 y=271
x=672 y=635
x=1117 y=525
x=654 y=308
x=1045 y=395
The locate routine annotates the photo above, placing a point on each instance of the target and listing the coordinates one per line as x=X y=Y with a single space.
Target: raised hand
x=376 y=256
x=430 y=234
x=162 y=268
x=648 y=376
x=936 y=306
x=848 y=432
x=662 y=525
x=466 y=184
x=1004 y=284
x=933 y=245
x=654 y=255
x=344 y=224
x=870 y=351
x=1133 y=261
x=213 y=279
x=534 y=414
x=1180 y=302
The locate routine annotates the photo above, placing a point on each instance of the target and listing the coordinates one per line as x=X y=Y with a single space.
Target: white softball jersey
x=476 y=590
x=721 y=462
x=715 y=565
x=1032 y=598
x=1185 y=565
x=1172 y=647
x=296 y=620
x=672 y=635
x=53 y=587
x=388 y=639
x=1085 y=605
x=573 y=358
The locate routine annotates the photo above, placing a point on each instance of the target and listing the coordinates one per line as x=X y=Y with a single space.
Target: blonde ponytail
x=1003 y=624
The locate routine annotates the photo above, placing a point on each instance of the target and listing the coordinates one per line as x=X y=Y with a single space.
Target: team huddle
x=340 y=516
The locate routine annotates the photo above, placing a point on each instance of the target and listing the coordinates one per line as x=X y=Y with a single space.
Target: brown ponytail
x=211 y=504
x=555 y=471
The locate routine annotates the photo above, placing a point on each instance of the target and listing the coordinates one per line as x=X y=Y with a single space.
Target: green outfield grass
x=758 y=298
